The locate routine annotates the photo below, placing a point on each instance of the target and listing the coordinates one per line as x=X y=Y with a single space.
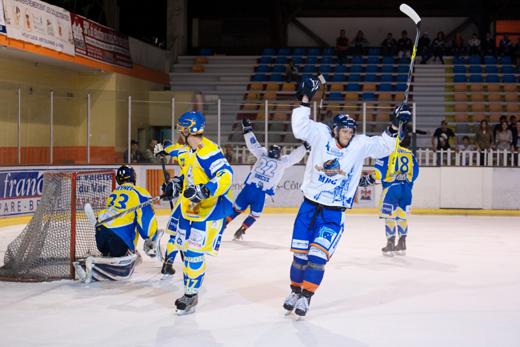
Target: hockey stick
x=410 y=12
x=166 y=175
x=324 y=90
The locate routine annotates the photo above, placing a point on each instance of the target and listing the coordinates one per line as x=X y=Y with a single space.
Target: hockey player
x=329 y=184
x=396 y=198
x=263 y=178
x=205 y=200
x=116 y=240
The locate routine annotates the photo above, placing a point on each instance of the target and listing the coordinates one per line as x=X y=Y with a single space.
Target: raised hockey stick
x=410 y=12
x=324 y=90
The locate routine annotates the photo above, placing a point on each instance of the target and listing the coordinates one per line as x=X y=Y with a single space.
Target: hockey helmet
x=125 y=174
x=274 y=152
x=191 y=123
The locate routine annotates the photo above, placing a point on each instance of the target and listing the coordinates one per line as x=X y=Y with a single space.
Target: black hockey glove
x=401 y=114
x=247 y=126
x=196 y=193
x=367 y=180
x=307 y=86
x=307 y=146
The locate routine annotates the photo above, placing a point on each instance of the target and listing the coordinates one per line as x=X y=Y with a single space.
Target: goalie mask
x=342 y=121
x=274 y=152
x=125 y=174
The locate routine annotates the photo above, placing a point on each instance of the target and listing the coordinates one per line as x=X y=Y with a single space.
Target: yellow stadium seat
x=461 y=117
x=272 y=86
x=197 y=68
x=510 y=87
x=270 y=96
x=511 y=97
x=494 y=87
x=477 y=96
x=382 y=116
x=460 y=97
x=252 y=96
x=385 y=96
x=495 y=107
x=461 y=107
x=476 y=87
x=493 y=97
x=351 y=97
x=512 y=107
x=460 y=87
x=478 y=107
x=256 y=86
x=201 y=60
x=369 y=87
x=338 y=87
x=288 y=87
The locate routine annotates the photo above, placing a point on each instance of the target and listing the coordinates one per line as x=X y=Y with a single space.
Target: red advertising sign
x=98 y=42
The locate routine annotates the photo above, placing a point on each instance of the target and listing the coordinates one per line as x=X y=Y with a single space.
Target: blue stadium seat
x=206 y=51
x=373 y=60
x=325 y=68
x=370 y=78
x=262 y=69
x=297 y=60
x=506 y=60
x=281 y=60
x=400 y=87
x=353 y=87
x=459 y=79
x=388 y=60
x=260 y=77
x=326 y=60
x=338 y=77
x=314 y=51
x=475 y=69
x=355 y=69
x=490 y=60
x=265 y=60
x=459 y=60
x=357 y=59
x=327 y=77
x=404 y=60
x=385 y=87
x=476 y=79
x=374 y=51
x=311 y=60
x=368 y=96
x=307 y=75
x=277 y=78
x=403 y=68
x=386 y=78
x=507 y=69
x=371 y=69
x=278 y=68
x=402 y=78
x=284 y=51
x=508 y=79
x=459 y=69
x=335 y=96
x=310 y=69
x=298 y=51
x=354 y=78
x=491 y=69
x=492 y=79
x=387 y=69
x=328 y=51
x=474 y=60
x=341 y=68
x=268 y=51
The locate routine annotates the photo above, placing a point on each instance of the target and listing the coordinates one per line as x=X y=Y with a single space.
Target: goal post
x=58 y=233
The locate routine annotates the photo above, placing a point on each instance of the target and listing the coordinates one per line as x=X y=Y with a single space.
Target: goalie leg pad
x=111 y=268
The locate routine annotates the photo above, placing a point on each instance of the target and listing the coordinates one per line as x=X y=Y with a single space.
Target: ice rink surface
x=459 y=285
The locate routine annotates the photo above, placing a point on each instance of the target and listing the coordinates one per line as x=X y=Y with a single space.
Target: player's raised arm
x=251 y=142
x=302 y=126
x=295 y=156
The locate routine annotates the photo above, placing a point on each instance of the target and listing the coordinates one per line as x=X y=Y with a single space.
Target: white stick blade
x=322 y=79
x=410 y=12
x=91 y=216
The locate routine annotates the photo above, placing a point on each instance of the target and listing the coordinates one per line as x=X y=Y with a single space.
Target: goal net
x=59 y=232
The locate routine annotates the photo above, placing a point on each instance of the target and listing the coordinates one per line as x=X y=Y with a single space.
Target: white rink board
x=458 y=286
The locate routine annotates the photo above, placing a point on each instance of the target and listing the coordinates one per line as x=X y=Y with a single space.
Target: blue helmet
x=125 y=174
x=343 y=121
x=191 y=123
x=274 y=152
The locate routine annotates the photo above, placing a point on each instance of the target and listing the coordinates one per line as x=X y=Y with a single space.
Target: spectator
x=474 y=45
x=135 y=153
x=404 y=45
x=441 y=137
x=291 y=71
x=424 y=48
x=198 y=102
x=439 y=46
x=504 y=138
x=359 y=42
x=389 y=45
x=505 y=46
x=342 y=47
x=497 y=126
x=489 y=45
x=229 y=153
x=466 y=146
x=514 y=130
x=517 y=143
x=483 y=139
x=148 y=155
x=457 y=45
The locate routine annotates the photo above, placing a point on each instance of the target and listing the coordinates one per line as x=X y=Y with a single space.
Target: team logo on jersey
x=333 y=150
x=330 y=168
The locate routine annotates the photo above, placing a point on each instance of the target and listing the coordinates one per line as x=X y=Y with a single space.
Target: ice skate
x=167 y=270
x=239 y=234
x=389 y=249
x=302 y=306
x=186 y=304
x=400 y=249
x=290 y=302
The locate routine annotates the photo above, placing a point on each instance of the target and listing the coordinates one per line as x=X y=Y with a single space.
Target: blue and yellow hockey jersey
x=122 y=198
x=406 y=168
x=205 y=165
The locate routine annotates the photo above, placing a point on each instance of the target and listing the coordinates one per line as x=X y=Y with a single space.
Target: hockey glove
x=307 y=146
x=247 y=126
x=307 y=86
x=158 y=150
x=196 y=193
x=367 y=180
x=401 y=114
x=150 y=248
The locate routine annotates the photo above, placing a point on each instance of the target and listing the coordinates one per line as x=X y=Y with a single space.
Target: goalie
x=116 y=240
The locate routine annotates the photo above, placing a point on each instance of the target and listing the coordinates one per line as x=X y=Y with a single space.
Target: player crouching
x=116 y=240
x=262 y=180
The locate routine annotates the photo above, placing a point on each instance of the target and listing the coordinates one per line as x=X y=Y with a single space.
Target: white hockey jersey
x=332 y=174
x=267 y=172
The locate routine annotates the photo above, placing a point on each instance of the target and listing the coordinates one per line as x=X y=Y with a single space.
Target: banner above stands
x=39 y=23
x=101 y=43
